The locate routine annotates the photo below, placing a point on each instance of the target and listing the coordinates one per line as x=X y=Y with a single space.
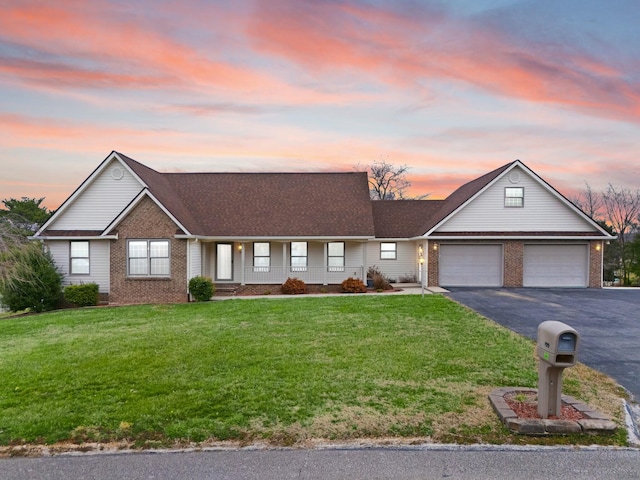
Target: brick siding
x=595 y=264
x=513 y=263
x=433 y=264
x=148 y=221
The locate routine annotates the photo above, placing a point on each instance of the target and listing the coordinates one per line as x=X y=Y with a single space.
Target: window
x=298 y=256
x=335 y=258
x=514 y=197
x=148 y=257
x=79 y=258
x=388 y=251
x=261 y=256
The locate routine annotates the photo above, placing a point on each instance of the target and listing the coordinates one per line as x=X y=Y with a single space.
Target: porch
x=272 y=262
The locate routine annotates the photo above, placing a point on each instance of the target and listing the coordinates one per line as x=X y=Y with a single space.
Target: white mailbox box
x=557 y=349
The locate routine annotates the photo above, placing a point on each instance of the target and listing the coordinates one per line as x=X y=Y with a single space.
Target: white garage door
x=556 y=265
x=470 y=265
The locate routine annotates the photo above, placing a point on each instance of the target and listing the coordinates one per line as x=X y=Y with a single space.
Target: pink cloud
x=89 y=45
x=413 y=47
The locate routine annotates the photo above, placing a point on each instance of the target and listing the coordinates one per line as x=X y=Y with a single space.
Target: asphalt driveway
x=608 y=321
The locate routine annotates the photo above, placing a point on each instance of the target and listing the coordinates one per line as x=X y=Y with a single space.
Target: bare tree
x=589 y=202
x=388 y=181
x=622 y=210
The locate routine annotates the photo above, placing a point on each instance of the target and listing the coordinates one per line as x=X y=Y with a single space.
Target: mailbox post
x=557 y=349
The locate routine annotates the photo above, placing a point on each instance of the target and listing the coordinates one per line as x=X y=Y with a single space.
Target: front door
x=224 y=261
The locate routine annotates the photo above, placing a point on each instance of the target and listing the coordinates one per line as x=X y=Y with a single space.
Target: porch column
x=242 y=264
x=284 y=262
x=365 y=246
x=326 y=263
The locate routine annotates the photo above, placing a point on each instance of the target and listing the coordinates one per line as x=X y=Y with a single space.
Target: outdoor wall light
x=435 y=246
x=240 y=247
x=598 y=247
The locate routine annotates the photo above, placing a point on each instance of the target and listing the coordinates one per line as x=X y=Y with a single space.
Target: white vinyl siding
x=470 y=265
x=542 y=210
x=405 y=264
x=101 y=201
x=99 y=263
x=556 y=265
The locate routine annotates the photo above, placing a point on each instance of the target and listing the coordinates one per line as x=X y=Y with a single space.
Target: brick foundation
x=148 y=221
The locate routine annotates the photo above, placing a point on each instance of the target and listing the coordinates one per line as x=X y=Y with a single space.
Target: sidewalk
x=399 y=289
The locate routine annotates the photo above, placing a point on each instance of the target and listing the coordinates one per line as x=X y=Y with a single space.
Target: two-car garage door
x=544 y=265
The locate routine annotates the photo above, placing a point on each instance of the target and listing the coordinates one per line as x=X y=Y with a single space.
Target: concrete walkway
x=400 y=289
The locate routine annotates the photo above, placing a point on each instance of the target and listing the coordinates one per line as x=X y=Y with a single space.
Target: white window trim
x=514 y=201
x=299 y=268
x=72 y=258
x=262 y=268
x=336 y=268
x=149 y=258
x=393 y=250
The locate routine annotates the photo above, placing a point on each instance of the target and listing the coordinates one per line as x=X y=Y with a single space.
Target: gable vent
x=117 y=173
x=514 y=177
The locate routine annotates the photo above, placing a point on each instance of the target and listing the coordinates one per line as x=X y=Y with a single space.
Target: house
x=141 y=234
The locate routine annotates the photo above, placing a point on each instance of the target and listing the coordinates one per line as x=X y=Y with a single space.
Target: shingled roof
x=414 y=218
x=403 y=218
x=295 y=204
x=264 y=204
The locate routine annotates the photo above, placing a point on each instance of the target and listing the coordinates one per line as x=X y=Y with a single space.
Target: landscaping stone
x=593 y=421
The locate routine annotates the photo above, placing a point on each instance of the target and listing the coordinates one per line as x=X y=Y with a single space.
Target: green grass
x=284 y=371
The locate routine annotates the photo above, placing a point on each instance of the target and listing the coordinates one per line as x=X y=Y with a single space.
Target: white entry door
x=224 y=261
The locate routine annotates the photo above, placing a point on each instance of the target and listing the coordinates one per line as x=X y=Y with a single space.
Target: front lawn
x=284 y=371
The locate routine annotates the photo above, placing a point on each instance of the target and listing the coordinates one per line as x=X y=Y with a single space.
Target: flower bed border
x=593 y=422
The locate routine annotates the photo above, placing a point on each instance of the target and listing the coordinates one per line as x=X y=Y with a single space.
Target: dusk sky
x=451 y=88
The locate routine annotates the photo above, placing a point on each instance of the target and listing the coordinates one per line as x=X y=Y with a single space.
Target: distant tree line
x=617 y=210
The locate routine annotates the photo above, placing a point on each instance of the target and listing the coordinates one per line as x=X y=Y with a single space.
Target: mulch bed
x=525 y=405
